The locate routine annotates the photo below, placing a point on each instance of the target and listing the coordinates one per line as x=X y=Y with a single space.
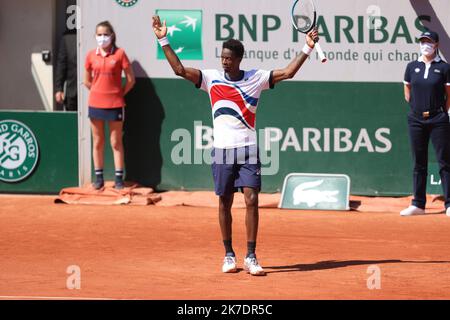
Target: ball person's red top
x=106 y=90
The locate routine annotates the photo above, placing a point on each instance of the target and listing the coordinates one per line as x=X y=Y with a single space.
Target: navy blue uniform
x=428 y=119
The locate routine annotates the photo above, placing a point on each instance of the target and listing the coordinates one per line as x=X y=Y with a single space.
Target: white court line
x=9 y=195
x=52 y=298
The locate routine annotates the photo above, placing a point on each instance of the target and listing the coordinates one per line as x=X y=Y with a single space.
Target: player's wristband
x=163 y=41
x=307 y=49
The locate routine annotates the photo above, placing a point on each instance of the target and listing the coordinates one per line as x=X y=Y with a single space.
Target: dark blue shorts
x=236 y=168
x=116 y=114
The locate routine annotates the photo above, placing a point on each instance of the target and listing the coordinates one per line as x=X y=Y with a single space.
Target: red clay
x=154 y=252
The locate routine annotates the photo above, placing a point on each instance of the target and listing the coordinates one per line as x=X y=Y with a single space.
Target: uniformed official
x=427 y=89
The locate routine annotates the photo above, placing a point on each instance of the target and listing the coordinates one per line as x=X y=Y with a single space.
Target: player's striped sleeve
x=265 y=79
x=204 y=79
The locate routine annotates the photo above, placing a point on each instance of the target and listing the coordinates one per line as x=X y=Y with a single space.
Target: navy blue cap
x=431 y=35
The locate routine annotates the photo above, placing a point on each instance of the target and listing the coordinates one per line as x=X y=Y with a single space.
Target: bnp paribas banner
x=364 y=40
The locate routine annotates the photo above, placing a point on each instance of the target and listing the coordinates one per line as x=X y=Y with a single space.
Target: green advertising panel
x=184 y=31
x=356 y=129
x=38 y=151
x=311 y=191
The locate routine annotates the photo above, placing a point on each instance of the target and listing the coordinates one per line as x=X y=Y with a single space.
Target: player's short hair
x=235 y=46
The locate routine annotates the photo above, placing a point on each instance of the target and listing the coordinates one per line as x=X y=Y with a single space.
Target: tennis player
x=103 y=77
x=234 y=95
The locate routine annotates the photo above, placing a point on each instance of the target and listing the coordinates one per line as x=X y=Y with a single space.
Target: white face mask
x=427 y=49
x=103 y=41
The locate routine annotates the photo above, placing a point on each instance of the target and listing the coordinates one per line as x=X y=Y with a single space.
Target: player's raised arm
x=190 y=74
x=290 y=71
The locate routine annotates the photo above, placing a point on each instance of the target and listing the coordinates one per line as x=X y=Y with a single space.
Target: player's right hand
x=312 y=37
x=159 y=29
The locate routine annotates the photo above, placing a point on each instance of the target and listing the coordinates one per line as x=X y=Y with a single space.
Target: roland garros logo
x=19 y=151
x=127 y=3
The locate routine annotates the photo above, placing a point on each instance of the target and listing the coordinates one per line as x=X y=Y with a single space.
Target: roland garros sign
x=127 y=3
x=19 y=151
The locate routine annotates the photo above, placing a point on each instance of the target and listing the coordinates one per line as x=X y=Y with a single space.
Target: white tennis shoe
x=252 y=266
x=229 y=264
x=412 y=211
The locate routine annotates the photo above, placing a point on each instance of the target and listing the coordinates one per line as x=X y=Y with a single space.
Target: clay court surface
x=175 y=252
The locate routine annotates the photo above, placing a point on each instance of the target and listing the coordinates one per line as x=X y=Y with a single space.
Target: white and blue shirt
x=234 y=105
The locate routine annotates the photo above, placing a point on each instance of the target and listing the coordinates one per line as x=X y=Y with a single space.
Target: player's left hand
x=159 y=29
x=312 y=37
